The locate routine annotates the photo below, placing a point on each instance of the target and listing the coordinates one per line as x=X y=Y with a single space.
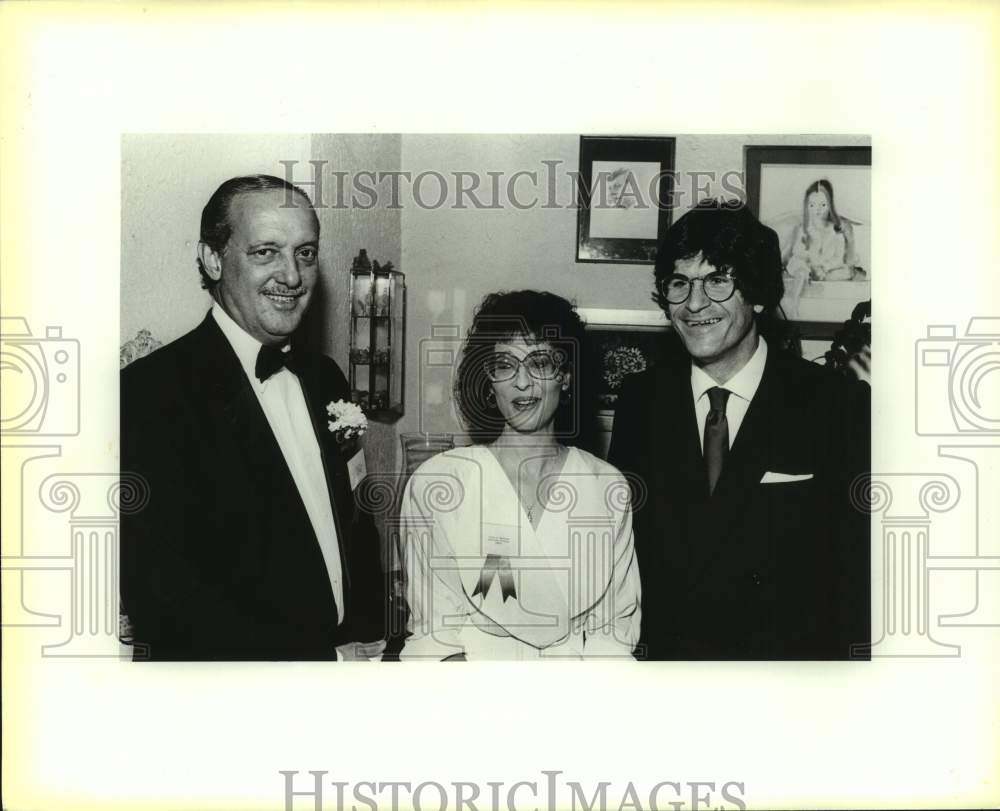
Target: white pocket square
x=778 y=478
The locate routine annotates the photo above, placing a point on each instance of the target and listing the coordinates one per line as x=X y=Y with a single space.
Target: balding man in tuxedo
x=251 y=546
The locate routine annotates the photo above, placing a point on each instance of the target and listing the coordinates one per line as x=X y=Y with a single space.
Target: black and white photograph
x=267 y=388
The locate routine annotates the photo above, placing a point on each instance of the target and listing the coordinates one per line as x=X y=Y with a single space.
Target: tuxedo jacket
x=775 y=563
x=219 y=558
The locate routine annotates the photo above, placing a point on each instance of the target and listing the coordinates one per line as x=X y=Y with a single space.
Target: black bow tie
x=272 y=359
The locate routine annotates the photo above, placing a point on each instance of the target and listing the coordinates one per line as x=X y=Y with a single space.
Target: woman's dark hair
x=215 y=226
x=536 y=317
x=728 y=236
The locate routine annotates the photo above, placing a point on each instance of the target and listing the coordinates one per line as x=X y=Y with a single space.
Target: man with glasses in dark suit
x=748 y=541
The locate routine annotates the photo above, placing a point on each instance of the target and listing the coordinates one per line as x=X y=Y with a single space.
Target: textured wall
x=166 y=181
x=345 y=231
x=452 y=257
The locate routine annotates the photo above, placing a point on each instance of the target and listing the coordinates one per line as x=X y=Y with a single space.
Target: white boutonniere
x=348 y=420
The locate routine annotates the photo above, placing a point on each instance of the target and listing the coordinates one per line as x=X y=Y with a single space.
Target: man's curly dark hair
x=727 y=236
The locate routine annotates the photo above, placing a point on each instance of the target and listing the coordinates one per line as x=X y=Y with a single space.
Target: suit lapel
x=334 y=467
x=724 y=531
x=677 y=474
x=234 y=405
x=684 y=465
x=689 y=475
x=748 y=457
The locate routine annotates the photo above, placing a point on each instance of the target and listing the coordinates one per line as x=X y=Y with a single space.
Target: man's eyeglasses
x=719 y=286
x=541 y=365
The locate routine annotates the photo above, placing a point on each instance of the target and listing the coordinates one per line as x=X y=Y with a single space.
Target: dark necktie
x=716 y=435
x=272 y=359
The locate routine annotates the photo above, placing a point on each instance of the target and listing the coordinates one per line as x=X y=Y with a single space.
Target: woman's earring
x=491 y=397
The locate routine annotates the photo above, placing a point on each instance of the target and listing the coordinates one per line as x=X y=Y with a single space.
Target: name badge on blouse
x=499 y=539
x=357 y=469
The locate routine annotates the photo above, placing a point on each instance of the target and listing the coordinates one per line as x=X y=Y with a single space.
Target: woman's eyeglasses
x=719 y=286
x=541 y=365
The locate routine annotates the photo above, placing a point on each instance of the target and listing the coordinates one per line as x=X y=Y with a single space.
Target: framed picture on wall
x=622 y=343
x=818 y=200
x=624 y=197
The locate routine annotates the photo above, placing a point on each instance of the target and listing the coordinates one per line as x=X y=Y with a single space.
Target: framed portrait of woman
x=818 y=200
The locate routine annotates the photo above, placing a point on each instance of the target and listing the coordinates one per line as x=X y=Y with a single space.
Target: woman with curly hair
x=520 y=545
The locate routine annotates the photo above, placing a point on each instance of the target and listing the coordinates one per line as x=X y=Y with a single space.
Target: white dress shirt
x=284 y=405
x=742 y=386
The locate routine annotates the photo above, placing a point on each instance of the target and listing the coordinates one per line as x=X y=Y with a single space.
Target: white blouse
x=568 y=589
